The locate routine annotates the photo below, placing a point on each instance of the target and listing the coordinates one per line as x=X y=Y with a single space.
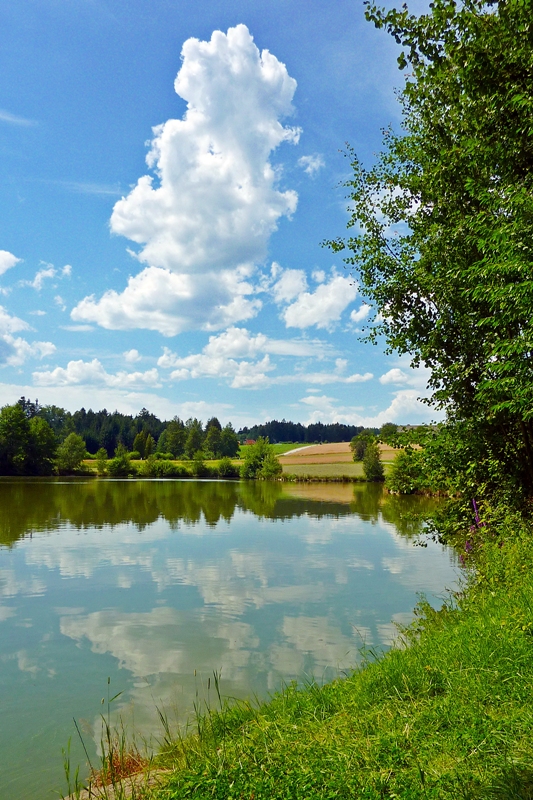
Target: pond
x=156 y=585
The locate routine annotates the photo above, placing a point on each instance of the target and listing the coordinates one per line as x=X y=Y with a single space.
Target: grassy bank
x=448 y=716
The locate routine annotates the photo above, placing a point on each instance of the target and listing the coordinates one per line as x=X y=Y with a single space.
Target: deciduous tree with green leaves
x=70 y=453
x=260 y=461
x=442 y=224
x=27 y=445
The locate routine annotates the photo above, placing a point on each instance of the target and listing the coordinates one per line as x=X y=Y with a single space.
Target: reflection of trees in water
x=31 y=506
x=407 y=513
x=28 y=506
x=366 y=501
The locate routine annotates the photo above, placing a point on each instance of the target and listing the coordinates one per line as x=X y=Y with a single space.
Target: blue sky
x=169 y=171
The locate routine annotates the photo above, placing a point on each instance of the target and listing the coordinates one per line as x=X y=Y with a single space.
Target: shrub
x=101 y=461
x=198 y=467
x=227 y=469
x=406 y=472
x=372 y=466
x=120 y=466
x=155 y=467
x=260 y=461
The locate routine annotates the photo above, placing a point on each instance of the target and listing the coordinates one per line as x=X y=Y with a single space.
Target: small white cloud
x=77 y=328
x=102 y=189
x=131 y=356
x=323 y=307
x=405 y=375
x=394 y=376
x=47 y=273
x=311 y=164
x=319 y=276
x=13 y=119
x=37 y=313
x=361 y=313
x=15 y=351
x=292 y=283
x=92 y=372
x=58 y=300
x=7 y=260
x=9 y=324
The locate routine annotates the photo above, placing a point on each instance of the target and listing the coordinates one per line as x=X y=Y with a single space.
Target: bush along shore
x=446 y=713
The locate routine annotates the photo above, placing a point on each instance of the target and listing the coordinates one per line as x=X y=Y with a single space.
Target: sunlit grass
x=344 y=469
x=279 y=449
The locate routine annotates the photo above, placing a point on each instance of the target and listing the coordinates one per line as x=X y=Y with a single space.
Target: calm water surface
x=156 y=584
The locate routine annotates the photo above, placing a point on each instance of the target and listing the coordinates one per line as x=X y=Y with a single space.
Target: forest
x=37 y=439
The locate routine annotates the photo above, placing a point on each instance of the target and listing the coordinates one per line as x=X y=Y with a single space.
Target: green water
x=156 y=584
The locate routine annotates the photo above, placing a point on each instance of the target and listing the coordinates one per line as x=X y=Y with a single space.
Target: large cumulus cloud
x=215 y=198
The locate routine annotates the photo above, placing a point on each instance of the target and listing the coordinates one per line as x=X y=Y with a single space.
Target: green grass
x=283 y=447
x=349 y=469
x=449 y=716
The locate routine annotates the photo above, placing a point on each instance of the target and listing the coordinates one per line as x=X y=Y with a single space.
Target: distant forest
x=296 y=432
x=110 y=429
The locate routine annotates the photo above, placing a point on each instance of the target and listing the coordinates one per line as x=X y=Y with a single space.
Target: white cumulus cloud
x=131 y=356
x=92 y=372
x=7 y=260
x=406 y=375
x=311 y=164
x=235 y=356
x=215 y=200
x=14 y=351
x=405 y=407
x=9 y=324
x=292 y=283
x=161 y=300
x=323 y=307
x=361 y=313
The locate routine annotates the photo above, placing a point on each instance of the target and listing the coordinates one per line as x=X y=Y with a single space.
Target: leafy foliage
x=120 y=466
x=101 y=461
x=27 y=444
x=372 y=466
x=442 y=224
x=359 y=443
x=260 y=461
x=71 y=453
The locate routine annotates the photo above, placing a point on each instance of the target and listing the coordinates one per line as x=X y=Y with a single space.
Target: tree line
x=40 y=439
x=315 y=433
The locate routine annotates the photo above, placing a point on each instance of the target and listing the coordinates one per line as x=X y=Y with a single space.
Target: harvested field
x=334 y=453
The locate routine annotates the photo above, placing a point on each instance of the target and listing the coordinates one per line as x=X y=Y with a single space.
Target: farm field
x=279 y=449
x=333 y=460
